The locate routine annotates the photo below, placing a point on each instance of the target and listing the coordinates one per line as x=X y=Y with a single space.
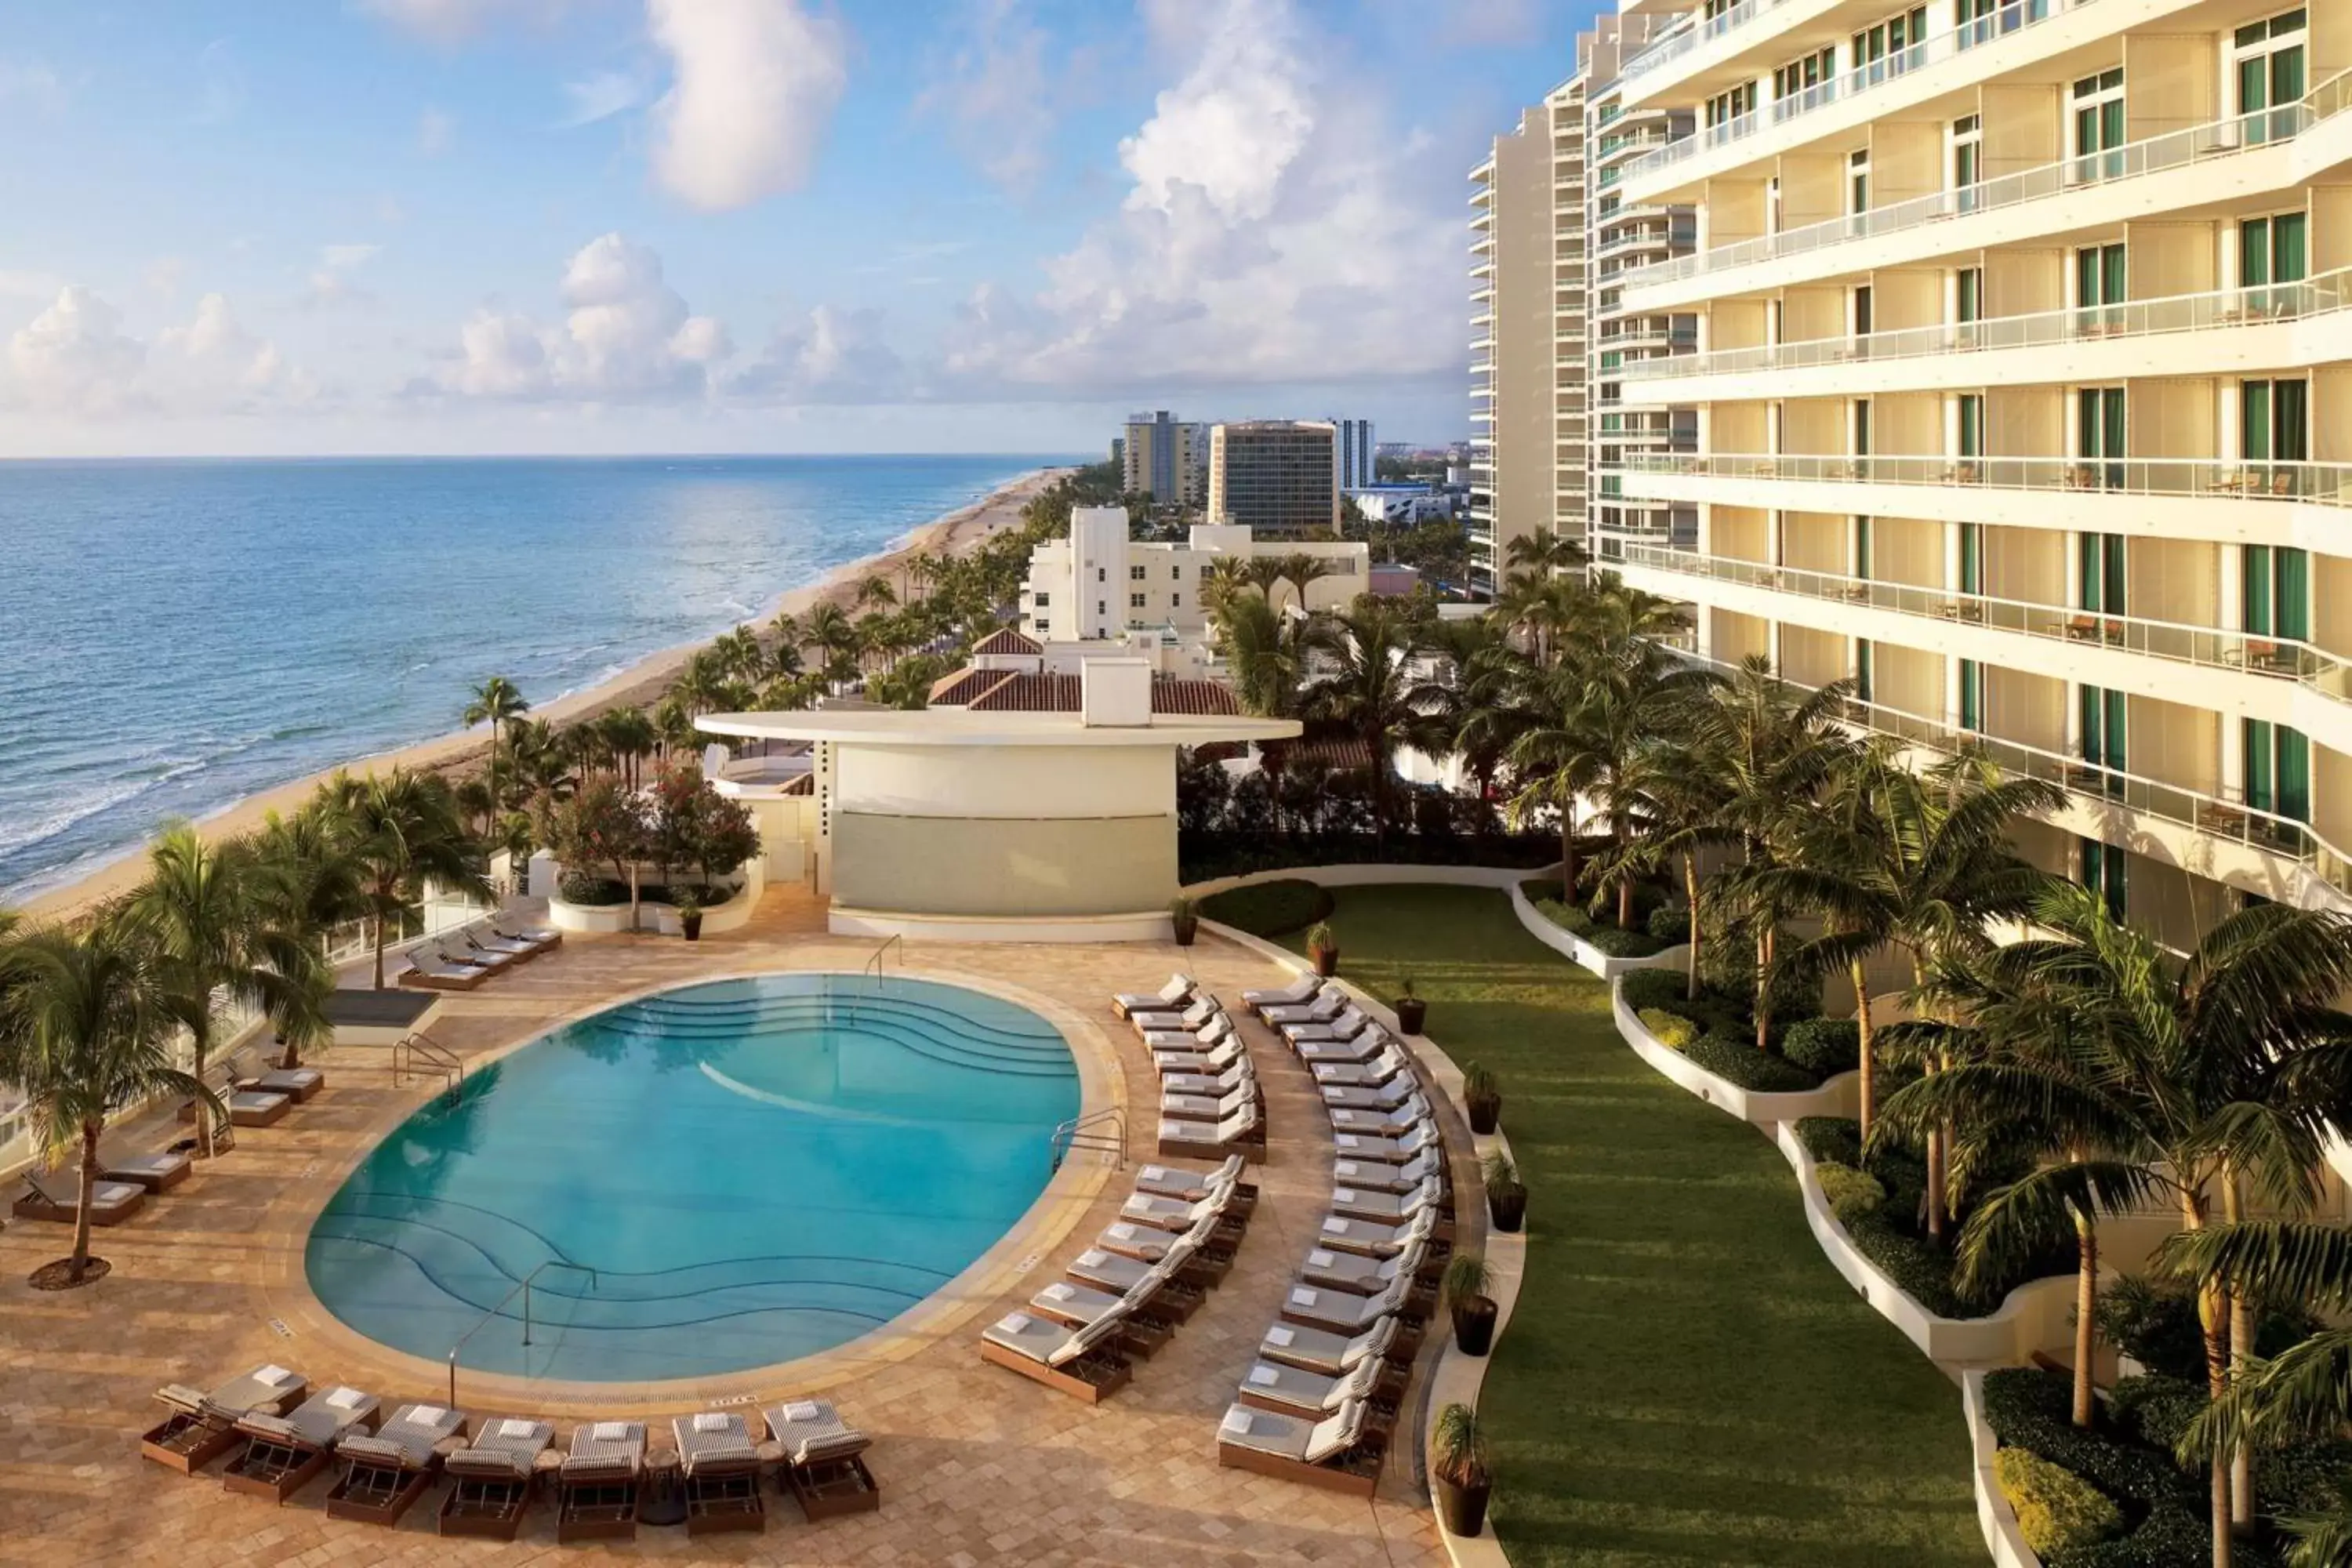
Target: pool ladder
x=427 y=1056
x=1087 y=1132
x=524 y=1289
x=874 y=964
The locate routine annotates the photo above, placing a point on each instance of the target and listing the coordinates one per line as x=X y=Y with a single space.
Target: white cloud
x=73 y=357
x=163 y=274
x=628 y=337
x=215 y=364
x=755 y=84
x=26 y=284
x=600 y=97
x=33 y=83
x=1000 y=92
x=437 y=131
x=330 y=280
x=1276 y=230
x=829 y=356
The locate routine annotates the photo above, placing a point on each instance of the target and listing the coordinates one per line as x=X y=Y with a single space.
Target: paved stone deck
x=978 y=1465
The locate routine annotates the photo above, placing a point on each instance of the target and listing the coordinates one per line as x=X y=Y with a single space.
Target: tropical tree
x=306 y=883
x=737 y=653
x=86 y=1025
x=1228 y=577
x=1265 y=651
x=497 y=703
x=874 y=591
x=1685 y=798
x=1367 y=689
x=1542 y=553
x=630 y=736
x=404 y=831
x=1299 y=568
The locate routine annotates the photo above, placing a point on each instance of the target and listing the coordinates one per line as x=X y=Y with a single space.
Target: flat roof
x=961 y=727
x=381 y=1009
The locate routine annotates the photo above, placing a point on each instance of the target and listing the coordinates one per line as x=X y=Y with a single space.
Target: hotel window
x=1879 y=50
x=2274 y=595
x=2278 y=770
x=1862 y=426
x=1134 y=601
x=1102 y=574
x=2099 y=436
x=1135 y=573
x=1967 y=159
x=2275 y=426
x=1971 y=695
x=1968 y=303
x=2099 y=125
x=2270 y=72
x=1805 y=71
x=1862 y=669
x=1205 y=567
x=1102 y=608
x=1862 y=548
x=1044 y=600
x=2102 y=867
x=1862 y=315
x=2272 y=250
x=1044 y=628
x=1176 y=573
x=1971 y=557
x=1971 y=422
x=2099 y=280
x=1175 y=601
x=1857 y=180
x=1725 y=107
x=2105 y=570
x=2102 y=719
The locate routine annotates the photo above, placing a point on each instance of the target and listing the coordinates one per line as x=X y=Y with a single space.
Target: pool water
x=754 y=1169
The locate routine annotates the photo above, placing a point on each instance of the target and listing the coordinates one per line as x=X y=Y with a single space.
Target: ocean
x=176 y=636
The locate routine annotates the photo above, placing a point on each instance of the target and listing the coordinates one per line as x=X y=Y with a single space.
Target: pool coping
x=283 y=1298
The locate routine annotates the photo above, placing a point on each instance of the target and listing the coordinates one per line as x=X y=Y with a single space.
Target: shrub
x=2157 y=1408
x=2056 y=1510
x=1674 y=1031
x=587 y=889
x=1832 y=1140
x=2156 y=1326
x=2170 y=1537
x=1824 y=1047
x=1604 y=936
x=1655 y=988
x=1670 y=923
x=1917 y=1267
x=1270 y=909
x=1740 y=1062
x=1853 y=1194
x=2032 y=1409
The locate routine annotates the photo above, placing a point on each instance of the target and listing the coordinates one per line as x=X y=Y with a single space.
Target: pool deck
x=977 y=1464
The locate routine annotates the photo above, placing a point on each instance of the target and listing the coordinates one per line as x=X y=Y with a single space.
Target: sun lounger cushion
x=812 y=1431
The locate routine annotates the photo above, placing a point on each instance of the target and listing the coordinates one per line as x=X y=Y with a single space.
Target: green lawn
x=1686 y=1380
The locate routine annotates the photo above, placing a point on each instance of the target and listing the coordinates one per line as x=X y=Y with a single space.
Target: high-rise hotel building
x=2022 y=397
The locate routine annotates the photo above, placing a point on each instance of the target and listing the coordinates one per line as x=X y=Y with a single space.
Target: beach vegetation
x=497 y=703
x=603 y=824
x=404 y=831
x=692 y=824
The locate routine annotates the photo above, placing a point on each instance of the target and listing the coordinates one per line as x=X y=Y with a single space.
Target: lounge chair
x=1374 y=1239
x=598 y=1481
x=1380 y=1123
x=493 y=1479
x=1191 y=1016
x=542 y=938
x=1178 y=1107
x=479 y=958
x=1211 y=1253
x=384 y=1474
x=425 y=973
x=1153 y=1295
x=1297 y=993
x=498 y=947
x=1176 y=995
x=1320 y=1351
x=297 y=1084
x=156 y=1173
x=1389 y=1208
x=1390 y=1067
x=718 y=1466
x=1342 y=1312
x=283 y=1453
x=1174 y=1182
x=1084 y=1363
x=202 y=1427
x=1331 y=1453
x=1391 y=1096
x=1311 y=1395
x=1406 y=1145
x=1175 y=1214
x=1206 y=1035
x=1379 y=1176
x=1235 y=1076
x=1244 y=1131
x=1105 y=1270
x=1365 y=1276
x=1362 y=1048
x=1216 y=1058
x=824 y=1464
x=112 y=1203
x=1327 y=1006
x=1346 y=1025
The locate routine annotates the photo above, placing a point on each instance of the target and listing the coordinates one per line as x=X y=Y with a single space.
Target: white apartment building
x=1098 y=583
x=1358 y=467
x=2022 y=397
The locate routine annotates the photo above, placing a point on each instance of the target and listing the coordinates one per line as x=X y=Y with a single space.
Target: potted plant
x=1506 y=1195
x=1466 y=1279
x=1411 y=1010
x=690 y=916
x=1185 y=916
x=1323 y=948
x=1482 y=1098
x=1457 y=1462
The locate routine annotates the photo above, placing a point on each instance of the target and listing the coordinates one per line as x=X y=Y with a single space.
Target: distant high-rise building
x=1275 y=475
x=1357 y=454
x=1166 y=458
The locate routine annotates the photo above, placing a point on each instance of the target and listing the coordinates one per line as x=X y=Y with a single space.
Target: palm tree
x=1368 y=690
x=405 y=832
x=874 y=591
x=1228 y=576
x=739 y=653
x=1476 y=701
x=629 y=735
x=789 y=633
x=305 y=885
x=674 y=723
x=1265 y=649
x=543 y=761
x=1686 y=800
x=1299 y=569
x=497 y=703
x=1542 y=553
x=86 y=1023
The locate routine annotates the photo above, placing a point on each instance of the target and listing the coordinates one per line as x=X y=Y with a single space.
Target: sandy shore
x=957 y=533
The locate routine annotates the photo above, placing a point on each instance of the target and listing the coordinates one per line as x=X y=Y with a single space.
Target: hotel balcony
x=2279 y=681
x=2272 y=327
x=2017 y=36
x=2299 y=505
x=2219 y=166
x=1699 y=53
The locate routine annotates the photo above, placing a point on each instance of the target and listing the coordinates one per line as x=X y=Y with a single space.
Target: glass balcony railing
x=2134 y=160
x=2211 y=478
x=2224 y=816
x=2256 y=306
x=1675 y=45
x=1846 y=86
x=2274 y=657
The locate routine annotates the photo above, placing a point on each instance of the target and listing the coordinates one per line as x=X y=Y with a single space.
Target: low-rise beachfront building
x=973 y=824
x=1099 y=583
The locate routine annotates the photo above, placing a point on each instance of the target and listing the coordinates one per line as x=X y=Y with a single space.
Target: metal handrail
x=875 y=963
x=524 y=1288
x=1073 y=1134
x=439 y=1057
x=2204 y=478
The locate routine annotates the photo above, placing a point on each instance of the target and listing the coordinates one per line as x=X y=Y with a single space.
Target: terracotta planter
x=1411 y=1013
x=1474 y=1324
x=692 y=926
x=1506 y=1210
x=1187 y=928
x=1327 y=962
x=1465 y=1507
x=1485 y=1113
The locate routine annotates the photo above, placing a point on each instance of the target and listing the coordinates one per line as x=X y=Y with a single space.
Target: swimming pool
x=754 y=1169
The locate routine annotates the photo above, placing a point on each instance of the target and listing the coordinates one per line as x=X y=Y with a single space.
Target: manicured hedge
x=2056 y=1509
x=1824 y=1047
x=1270 y=909
x=2032 y=1409
x=1674 y=1031
x=1670 y=923
x=1854 y=1195
x=1605 y=936
x=1740 y=1062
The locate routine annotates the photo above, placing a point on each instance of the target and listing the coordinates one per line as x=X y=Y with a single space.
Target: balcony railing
x=1842 y=88
x=2157 y=155
x=2249 y=653
x=1675 y=45
x=2325 y=484
x=2225 y=816
x=2255 y=306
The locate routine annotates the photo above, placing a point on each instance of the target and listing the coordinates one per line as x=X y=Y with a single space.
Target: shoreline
x=643 y=682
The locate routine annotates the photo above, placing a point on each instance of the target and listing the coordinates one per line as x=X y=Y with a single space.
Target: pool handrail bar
x=437 y=1057
x=525 y=1288
x=875 y=963
x=1074 y=1134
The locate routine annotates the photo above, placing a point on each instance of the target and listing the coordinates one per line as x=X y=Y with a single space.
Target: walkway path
x=1686 y=1380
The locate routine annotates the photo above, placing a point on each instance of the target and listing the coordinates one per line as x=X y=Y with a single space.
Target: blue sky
x=556 y=226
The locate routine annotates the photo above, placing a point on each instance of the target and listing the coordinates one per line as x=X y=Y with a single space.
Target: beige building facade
x=1276 y=477
x=1100 y=584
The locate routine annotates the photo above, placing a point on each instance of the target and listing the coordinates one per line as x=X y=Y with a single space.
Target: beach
x=643 y=682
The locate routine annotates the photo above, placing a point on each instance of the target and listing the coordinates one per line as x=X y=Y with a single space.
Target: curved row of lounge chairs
x=465 y=959
x=1211 y=1104
x=1325 y=1394
x=282 y=1436
x=1128 y=1293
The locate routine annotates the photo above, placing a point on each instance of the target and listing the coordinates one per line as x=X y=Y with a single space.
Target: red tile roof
x=959 y=689
x=1005 y=639
x=1002 y=691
